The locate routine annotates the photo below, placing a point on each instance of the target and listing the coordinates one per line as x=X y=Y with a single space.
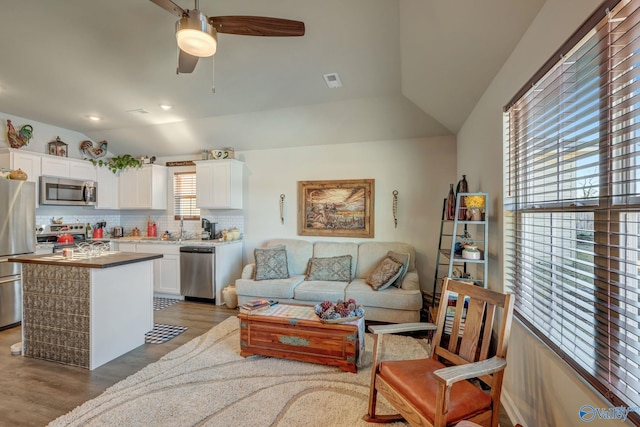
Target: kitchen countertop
x=107 y=260
x=186 y=242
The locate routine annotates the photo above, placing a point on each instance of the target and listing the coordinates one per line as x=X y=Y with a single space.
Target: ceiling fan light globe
x=195 y=35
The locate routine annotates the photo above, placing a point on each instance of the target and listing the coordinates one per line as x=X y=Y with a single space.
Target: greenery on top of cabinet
x=118 y=163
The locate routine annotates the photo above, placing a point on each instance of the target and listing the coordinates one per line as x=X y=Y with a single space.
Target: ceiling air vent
x=332 y=80
x=138 y=111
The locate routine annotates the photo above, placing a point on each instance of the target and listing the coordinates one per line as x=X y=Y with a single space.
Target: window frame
x=611 y=210
x=190 y=213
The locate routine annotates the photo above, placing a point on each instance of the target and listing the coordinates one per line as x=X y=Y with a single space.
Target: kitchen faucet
x=181 y=227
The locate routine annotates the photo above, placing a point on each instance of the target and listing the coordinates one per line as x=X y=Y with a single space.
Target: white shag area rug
x=207 y=383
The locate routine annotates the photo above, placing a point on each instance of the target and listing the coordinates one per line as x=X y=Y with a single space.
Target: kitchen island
x=85 y=311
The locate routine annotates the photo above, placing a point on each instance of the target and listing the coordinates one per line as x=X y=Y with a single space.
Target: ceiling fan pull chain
x=213 y=74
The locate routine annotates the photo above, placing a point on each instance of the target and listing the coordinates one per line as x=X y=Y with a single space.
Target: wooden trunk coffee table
x=296 y=332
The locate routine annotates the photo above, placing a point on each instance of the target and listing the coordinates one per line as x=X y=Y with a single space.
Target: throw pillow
x=404 y=259
x=335 y=269
x=385 y=273
x=271 y=263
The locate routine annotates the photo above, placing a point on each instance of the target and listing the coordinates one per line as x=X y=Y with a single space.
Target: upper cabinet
x=68 y=168
x=143 y=188
x=107 y=189
x=219 y=184
x=82 y=169
x=55 y=166
x=28 y=162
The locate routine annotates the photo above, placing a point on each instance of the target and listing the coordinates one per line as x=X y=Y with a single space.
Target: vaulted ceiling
x=409 y=68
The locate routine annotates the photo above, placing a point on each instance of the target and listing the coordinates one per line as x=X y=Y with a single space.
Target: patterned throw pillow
x=271 y=263
x=335 y=269
x=404 y=259
x=385 y=273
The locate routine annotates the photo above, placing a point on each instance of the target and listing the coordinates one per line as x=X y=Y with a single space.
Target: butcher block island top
x=105 y=260
x=85 y=311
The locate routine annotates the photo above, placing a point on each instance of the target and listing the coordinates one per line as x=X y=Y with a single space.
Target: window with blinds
x=184 y=196
x=572 y=211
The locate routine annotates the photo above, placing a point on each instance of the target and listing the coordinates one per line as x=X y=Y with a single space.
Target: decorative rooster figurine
x=18 y=139
x=87 y=148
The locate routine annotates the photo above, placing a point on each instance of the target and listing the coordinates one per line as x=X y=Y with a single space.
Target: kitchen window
x=572 y=205
x=184 y=196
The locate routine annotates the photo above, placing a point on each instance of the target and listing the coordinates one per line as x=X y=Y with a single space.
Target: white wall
x=540 y=389
x=42 y=135
x=420 y=169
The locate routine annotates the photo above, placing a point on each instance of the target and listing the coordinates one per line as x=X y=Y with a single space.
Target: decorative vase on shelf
x=474 y=214
x=450 y=209
x=463 y=187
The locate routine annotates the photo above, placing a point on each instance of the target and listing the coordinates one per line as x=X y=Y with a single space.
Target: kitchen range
x=68 y=235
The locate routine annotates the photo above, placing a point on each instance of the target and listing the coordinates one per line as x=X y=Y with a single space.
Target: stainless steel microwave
x=65 y=191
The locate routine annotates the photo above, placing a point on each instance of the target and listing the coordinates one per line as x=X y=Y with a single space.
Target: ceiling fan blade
x=257 y=26
x=171 y=7
x=186 y=63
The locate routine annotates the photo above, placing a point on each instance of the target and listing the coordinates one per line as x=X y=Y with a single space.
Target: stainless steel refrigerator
x=17 y=237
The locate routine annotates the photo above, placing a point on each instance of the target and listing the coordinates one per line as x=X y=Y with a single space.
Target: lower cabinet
x=166 y=270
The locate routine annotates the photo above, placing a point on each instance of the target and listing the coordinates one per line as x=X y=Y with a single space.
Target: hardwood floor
x=34 y=392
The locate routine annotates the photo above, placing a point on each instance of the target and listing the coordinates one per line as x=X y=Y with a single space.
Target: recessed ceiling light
x=166 y=106
x=95 y=118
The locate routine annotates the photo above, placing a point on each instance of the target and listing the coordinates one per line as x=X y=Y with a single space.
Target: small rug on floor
x=207 y=383
x=160 y=303
x=163 y=333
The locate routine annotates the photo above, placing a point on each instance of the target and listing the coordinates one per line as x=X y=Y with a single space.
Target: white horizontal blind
x=184 y=196
x=572 y=211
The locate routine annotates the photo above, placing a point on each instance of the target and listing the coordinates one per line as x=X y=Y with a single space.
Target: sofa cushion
x=386 y=272
x=271 y=263
x=371 y=253
x=337 y=269
x=270 y=289
x=298 y=254
x=391 y=297
x=404 y=258
x=331 y=249
x=320 y=290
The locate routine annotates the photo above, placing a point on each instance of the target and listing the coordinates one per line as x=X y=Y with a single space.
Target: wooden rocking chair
x=436 y=391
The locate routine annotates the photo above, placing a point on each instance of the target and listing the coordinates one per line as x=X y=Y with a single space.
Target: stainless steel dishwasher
x=197 y=278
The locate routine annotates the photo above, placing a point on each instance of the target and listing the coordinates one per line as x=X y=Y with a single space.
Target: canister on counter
x=67 y=253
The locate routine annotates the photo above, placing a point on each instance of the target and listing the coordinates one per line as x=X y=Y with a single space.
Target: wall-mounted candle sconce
x=282 y=208
x=395 y=208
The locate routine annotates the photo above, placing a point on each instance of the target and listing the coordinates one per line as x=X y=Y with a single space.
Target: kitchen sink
x=170 y=239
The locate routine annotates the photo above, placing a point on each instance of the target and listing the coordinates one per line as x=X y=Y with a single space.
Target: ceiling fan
x=196 y=33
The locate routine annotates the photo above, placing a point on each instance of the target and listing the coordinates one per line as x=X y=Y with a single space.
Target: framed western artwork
x=341 y=208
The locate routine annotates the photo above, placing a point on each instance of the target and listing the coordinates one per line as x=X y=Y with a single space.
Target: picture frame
x=337 y=208
x=58 y=148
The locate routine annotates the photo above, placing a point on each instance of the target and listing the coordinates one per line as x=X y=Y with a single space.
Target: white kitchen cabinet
x=30 y=163
x=219 y=184
x=68 y=168
x=124 y=247
x=82 y=169
x=107 y=189
x=143 y=188
x=55 y=166
x=166 y=270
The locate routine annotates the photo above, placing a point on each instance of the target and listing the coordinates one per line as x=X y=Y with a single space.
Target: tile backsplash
x=164 y=222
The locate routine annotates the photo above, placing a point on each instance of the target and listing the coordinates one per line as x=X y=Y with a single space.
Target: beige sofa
x=395 y=305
